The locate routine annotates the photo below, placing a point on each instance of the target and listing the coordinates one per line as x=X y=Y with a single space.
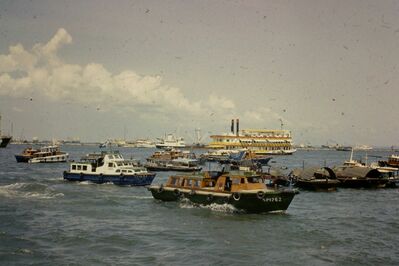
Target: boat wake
x=224 y=208
x=85 y=183
x=28 y=190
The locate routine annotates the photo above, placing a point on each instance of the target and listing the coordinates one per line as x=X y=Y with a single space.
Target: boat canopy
x=360 y=172
x=314 y=173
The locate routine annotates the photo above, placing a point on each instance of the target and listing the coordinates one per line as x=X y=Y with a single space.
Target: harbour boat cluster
x=245 y=180
x=351 y=174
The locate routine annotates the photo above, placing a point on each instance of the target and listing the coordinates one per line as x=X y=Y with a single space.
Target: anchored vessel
x=173 y=160
x=4 y=139
x=259 y=141
x=244 y=190
x=46 y=154
x=236 y=158
x=315 y=178
x=107 y=167
x=393 y=161
x=170 y=141
x=179 y=165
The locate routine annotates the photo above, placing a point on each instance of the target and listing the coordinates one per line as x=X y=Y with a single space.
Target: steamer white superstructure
x=260 y=141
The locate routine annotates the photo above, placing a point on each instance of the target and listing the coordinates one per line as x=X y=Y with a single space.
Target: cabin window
x=73 y=167
x=118 y=171
x=110 y=164
x=196 y=183
x=189 y=182
x=254 y=179
x=130 y=171
x=236 y=181
x=79 y=167
x=124 y=171
x=173 y=181
x=84 y=167
x=242 y=180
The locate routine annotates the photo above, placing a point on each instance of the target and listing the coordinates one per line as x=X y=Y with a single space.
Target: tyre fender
x=236 y=196
x=260 y=194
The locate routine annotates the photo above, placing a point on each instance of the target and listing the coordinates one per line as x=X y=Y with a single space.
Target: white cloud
x=40 y=71
x=264 y=117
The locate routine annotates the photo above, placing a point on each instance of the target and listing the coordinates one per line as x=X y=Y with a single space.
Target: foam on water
x=225 y=208
x=28 y=190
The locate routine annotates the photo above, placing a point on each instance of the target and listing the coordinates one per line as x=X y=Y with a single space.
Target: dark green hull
x=250 y=202
x=362 y=182
x=318 y=185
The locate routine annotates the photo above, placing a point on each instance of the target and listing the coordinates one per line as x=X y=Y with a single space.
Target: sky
x=132 y=69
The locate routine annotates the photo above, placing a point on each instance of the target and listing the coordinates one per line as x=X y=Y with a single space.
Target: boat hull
x=362 y=182
x=61 y=158
x=318 y=185
x=22 y=158
x=250 y=202
x=171 y=168
x=122 y=180
x=4 y=141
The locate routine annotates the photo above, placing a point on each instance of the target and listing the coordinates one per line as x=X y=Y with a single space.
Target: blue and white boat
x=108 y=167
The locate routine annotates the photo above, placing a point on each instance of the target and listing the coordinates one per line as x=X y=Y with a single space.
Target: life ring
x=176 y=192
x=260 y=194
x=236 y=196
x=209 y=197
x=160 y=189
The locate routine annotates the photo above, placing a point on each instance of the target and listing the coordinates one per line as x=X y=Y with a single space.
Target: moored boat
x=245 y=191
x=360 y=177
x=315 y=178
x=144 y=143
x=170 y=141
x=393 y=161
x=4 y=139
x=235 y=158
x=108 y=167
x=259 y=141
x=172 y=160
x=46 y=154
x=178 y=165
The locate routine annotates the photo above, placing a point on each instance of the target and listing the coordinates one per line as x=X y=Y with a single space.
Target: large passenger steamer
x=259 y=141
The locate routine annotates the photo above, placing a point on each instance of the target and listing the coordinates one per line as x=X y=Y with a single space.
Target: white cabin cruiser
x=109 y=167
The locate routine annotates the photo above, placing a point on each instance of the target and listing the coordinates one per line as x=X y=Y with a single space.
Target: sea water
x=45 y=220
